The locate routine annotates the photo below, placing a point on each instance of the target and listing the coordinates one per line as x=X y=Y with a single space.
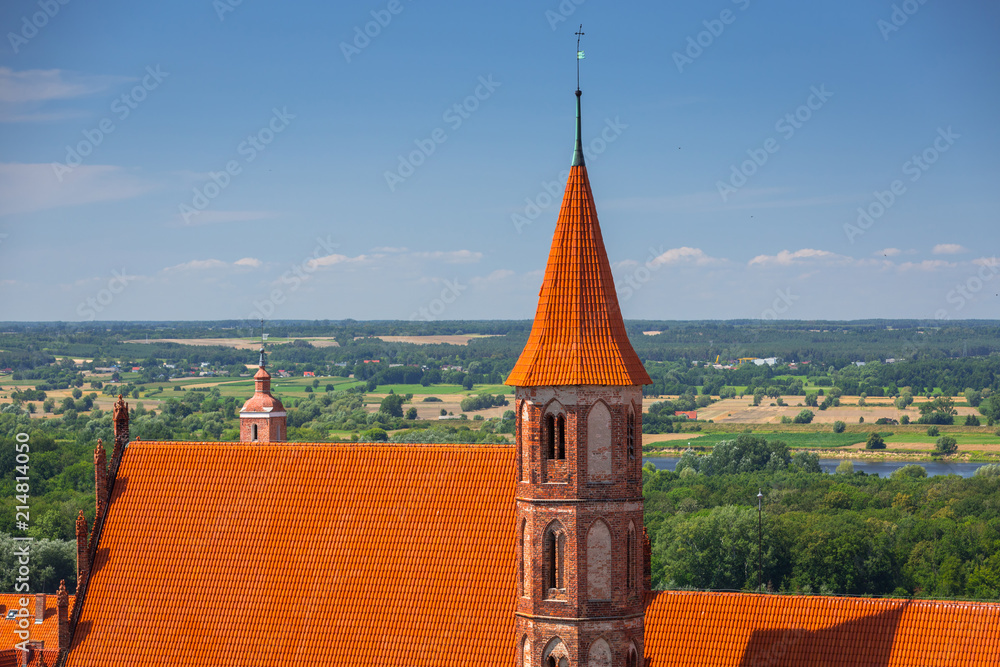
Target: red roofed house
x=30 y=628
x=265 y=552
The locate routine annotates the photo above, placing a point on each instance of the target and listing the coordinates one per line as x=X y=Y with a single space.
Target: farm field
x=984 y=443
x=447 y=339
x=740 y=411
x=239 y=343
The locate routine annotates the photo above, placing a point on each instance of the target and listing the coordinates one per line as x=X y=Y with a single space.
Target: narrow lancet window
x=630 y=436
x=550 y=437
x=561 y=437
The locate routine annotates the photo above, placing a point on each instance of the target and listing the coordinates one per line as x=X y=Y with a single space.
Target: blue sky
x=207 y=160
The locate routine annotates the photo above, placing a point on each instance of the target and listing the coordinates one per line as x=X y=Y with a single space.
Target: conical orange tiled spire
x=578 y=336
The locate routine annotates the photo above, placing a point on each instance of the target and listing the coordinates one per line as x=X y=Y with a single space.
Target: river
x=882 y=468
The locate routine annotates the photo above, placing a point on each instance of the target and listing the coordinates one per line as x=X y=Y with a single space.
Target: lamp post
x=760 y=541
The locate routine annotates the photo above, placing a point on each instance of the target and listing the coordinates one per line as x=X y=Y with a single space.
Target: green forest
x=847 y=533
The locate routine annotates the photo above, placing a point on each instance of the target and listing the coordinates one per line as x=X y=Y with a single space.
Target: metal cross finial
x=579 y=55
x=262 y=339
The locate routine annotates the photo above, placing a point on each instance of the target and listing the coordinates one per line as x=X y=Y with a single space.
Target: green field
x=797 y=440
x=417 y=389
x=960 y=438
x=829 y=440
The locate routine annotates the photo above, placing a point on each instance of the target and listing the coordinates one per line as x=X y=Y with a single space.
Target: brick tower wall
x=597 y=617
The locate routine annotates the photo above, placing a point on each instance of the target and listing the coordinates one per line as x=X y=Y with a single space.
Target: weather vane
x=579 y=55
x=263 y=337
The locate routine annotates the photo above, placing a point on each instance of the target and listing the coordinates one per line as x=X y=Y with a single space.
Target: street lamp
x=760 y=541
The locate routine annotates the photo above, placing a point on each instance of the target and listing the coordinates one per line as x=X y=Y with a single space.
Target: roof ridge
x=378 y=445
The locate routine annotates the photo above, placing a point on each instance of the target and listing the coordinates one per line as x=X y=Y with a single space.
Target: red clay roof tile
x=232 y=554
x=697 y=629
x=47 y=631
x=578 y=336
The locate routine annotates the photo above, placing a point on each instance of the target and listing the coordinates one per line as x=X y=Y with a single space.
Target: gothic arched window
x=632 y=657
x=561 y=437
x=555 y=547
x=630 y=558
x=630 y=435
x=549 y=431
x=253 y=432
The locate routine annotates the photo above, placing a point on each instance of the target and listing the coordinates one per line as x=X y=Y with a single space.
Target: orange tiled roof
x=578 y=336
x=47 y=631
x=687 y=629
x=221 y=554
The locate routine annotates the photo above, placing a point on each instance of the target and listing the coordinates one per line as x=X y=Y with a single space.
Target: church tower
x=262 y=418
x=579 y=432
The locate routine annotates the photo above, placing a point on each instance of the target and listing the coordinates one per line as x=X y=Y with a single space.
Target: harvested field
x=240 y=343
x=448 y=339
x=235 y=343
x=740 y=411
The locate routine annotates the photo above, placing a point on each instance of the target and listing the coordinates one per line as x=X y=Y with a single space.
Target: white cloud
x=23 y=92
x=888 y=252
x=949 y=249
x=926 y=265
x=212 y=264
x=493 y=277
x=786 y=258
x=42 y=85
x=197 y=265
x=26 y=187
x=986 y=261
x=334 y=259
x=685 y=255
